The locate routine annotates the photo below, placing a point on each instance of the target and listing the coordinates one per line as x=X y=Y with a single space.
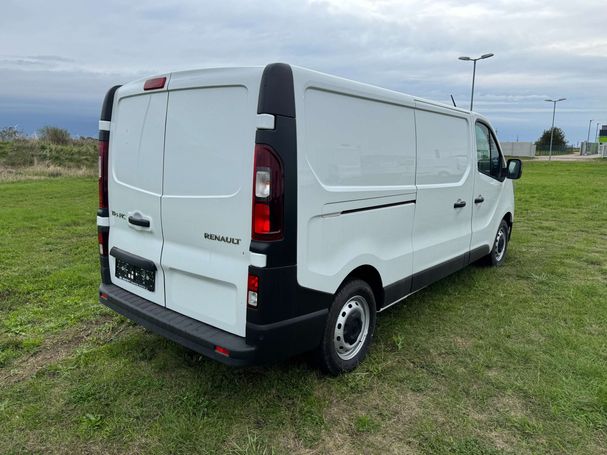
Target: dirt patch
x=86 y=447
x=53 y=350
x=462 y=343
x=508 y=404
x=500 y=437
x=393 y=410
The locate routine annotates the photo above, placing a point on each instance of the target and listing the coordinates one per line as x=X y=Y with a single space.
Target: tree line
x=51 y=134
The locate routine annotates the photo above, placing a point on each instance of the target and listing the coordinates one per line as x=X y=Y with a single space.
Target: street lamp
x=468 y=59
x=552 y=129
x=596 y=135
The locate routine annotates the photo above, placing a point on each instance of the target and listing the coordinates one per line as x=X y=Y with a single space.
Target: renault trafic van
x=251 y=214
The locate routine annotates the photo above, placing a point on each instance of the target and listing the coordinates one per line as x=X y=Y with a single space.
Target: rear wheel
x=349 y=328
x=500 y=245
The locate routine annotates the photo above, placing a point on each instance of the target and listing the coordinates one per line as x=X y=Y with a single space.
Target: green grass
x=487 y=361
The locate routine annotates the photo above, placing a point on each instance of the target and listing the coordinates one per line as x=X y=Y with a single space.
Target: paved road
x=573 y=157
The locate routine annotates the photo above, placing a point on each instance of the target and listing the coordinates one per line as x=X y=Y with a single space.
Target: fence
x=603 y=150
x=518 y=148
x=589 y=148
x=566 y=150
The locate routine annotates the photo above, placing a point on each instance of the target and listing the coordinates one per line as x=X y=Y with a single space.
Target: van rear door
x=206 y=202
x=135 y=188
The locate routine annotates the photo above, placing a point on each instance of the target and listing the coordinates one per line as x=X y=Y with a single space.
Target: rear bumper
x=272 y=341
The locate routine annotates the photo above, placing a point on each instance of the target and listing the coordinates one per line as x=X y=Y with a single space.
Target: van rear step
x=198 y=336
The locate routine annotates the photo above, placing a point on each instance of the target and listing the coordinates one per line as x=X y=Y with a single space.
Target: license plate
x=143 y=278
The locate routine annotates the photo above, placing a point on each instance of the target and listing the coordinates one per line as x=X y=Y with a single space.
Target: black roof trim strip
x=276 y=92
x=108 y=104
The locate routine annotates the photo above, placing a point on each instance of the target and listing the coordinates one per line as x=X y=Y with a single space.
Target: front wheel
x=500 y=245
x=349 y=328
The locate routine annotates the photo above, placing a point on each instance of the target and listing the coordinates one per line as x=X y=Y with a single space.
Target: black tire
x=500 y=245
x=345 y=343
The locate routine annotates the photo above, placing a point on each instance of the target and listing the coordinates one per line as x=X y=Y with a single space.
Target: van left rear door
x=135 y=189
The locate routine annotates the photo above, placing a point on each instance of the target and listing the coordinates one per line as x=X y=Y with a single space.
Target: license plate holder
x=136 y=275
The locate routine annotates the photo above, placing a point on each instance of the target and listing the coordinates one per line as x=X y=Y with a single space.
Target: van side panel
x=357 y=182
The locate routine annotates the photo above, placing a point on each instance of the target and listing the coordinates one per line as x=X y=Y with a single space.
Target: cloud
x=69 y=50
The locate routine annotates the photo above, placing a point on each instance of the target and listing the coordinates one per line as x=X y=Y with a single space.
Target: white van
x=255 y=213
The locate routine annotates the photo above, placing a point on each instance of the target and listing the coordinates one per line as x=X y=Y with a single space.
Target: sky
x=58 y=58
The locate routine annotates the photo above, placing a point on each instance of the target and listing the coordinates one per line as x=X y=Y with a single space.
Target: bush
x=558 y=141
x=10 y=133
x=54 y=135
x=22 y=153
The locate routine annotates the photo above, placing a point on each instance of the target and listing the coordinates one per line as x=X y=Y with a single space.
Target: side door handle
x=141 y=222
x=459 y=204
x=479 y=200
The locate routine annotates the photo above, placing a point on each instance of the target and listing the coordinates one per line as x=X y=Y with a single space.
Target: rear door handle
x=139 y=222
x=459 y=204
x=479 y=200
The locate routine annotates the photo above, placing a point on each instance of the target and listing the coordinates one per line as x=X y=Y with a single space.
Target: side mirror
x=515 y=169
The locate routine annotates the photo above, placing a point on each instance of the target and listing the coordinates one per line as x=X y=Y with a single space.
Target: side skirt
x=401 y=289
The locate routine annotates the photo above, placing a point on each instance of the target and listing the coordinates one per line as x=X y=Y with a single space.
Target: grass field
x=487 y=361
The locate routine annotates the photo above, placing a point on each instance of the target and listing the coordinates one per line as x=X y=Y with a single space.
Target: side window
x=483 y=151
x=488 y=155
x=496 y=161
x=444 y=157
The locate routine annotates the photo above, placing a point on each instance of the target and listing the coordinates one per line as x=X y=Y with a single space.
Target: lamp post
x=468 y=59
x=552 y=129
x=589 y=125
x=596 y=135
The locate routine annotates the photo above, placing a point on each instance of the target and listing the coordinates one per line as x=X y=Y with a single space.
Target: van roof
x=374 y=89
x=312 y=76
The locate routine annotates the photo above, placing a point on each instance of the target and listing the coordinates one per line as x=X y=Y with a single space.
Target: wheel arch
x=509 y=220
x=371 y=276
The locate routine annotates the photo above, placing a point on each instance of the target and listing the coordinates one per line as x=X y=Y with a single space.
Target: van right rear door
x=207 y=194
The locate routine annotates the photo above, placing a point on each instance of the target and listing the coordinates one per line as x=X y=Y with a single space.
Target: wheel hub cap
x=351 y=327
x=500 y=244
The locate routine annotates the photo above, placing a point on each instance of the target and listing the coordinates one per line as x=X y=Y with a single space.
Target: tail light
x=252 y=288
x=102 y=236
x=103 y=174
x=268 y=187
x=223 y=351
